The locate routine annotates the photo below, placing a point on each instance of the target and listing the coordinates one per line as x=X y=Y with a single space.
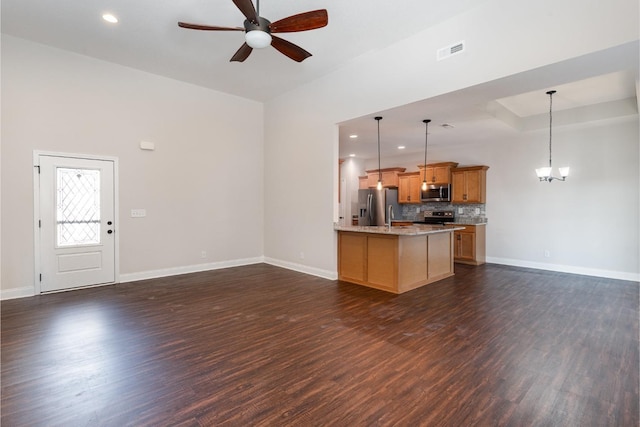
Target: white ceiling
x=148 y=38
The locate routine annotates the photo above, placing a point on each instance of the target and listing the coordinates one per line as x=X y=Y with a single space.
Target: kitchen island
x=395 y=259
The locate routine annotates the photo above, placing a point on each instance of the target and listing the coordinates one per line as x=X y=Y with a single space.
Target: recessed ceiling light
x=353 y=136
x=401 y=147
x=110 y=18
x=352 y=155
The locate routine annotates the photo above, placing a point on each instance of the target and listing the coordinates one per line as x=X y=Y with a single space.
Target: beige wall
x=201 y=187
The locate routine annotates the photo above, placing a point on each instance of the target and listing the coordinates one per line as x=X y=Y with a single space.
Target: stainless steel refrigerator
x=373 y=206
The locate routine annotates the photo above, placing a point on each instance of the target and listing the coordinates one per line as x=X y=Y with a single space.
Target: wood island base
x=392 y=262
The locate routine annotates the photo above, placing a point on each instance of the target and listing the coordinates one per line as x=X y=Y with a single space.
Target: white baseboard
x=26 y=291
x=609 y=274
x=174 y=271
x=325 y=274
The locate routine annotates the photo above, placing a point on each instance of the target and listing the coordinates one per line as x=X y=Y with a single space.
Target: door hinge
x=39 y=223
x=37 y=166
x=41 y=277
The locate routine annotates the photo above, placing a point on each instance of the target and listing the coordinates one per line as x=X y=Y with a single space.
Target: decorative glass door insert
x=77 y=207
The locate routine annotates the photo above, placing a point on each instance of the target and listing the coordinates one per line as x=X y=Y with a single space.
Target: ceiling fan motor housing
x=262 y=25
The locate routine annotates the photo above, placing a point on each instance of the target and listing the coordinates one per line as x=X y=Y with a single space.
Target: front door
x=76 y=227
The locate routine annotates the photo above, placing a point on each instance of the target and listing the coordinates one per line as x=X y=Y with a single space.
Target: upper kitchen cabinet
x=389 y=177
x=437 y=173
x=409 y=187
x=469 y=184
x=363 y=182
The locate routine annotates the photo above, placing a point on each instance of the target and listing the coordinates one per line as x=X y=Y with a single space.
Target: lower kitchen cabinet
x=470 y=244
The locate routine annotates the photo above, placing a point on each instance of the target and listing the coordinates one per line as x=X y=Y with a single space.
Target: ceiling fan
x=258 y=30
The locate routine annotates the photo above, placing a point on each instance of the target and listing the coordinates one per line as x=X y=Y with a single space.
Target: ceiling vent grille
x=451 y=50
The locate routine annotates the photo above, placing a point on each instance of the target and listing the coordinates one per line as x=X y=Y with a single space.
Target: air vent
x=449 y=51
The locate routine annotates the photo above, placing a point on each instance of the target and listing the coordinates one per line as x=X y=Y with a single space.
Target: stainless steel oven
x=436 y=217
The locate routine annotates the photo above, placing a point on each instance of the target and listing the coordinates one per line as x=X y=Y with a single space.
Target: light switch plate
x=138 y=213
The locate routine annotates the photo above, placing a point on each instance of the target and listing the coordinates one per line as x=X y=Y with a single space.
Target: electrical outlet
x=203 y=254
x=547 y=253
x=477 y=211
x=417 y=210
x=301 y=255
x=138 y=213
x=460 y=211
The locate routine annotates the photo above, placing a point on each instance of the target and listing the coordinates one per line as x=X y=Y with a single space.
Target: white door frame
x=36 y=211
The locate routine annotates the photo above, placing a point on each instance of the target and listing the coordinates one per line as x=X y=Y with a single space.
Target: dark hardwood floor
x=260 y=345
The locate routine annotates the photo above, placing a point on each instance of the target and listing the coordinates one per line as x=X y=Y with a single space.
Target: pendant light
x=426 y=133
x=379 y=186
x=544 y=174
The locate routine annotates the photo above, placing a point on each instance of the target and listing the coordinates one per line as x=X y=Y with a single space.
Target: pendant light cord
x=426 y=137
x=379 y=171
x=551 y=92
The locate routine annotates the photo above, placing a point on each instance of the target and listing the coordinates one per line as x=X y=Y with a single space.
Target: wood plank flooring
x=260 y=345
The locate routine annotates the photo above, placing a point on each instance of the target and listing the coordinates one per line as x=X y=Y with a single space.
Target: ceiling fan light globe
x=257 y=39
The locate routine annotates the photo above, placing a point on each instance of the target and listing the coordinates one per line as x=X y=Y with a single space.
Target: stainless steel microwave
x=436 y=193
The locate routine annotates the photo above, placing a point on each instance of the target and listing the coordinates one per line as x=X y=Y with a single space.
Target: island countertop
x=402 y=230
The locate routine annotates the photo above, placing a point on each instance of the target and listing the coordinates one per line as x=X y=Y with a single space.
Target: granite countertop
x=403 y=230
x=470 y=221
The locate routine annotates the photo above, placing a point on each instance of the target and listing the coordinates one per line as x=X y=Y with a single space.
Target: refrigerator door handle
x=369 y=206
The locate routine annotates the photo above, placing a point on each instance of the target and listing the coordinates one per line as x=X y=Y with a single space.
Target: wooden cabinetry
x=437 y=173
x=389 y=177
x=470 y=244
x=468 y=184
x=394 y=263
x=409 y=187
x=363 y=182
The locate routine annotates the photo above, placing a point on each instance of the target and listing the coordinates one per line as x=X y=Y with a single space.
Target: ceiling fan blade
x=242 y=53
x=247 y=9
x=208 y=27
x=301 y=22
x=291 y=50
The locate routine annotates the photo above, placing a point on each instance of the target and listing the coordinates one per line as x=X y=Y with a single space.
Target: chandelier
x=544 y=173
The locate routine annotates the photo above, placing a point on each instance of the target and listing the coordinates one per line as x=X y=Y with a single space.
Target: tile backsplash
x=411 y=213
